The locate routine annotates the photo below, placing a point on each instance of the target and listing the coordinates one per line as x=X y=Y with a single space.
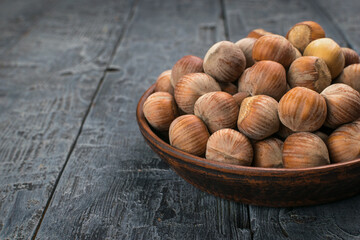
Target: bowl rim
x=225 y=167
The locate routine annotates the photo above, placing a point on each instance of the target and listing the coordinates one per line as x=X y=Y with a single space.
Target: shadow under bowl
x=253 y=185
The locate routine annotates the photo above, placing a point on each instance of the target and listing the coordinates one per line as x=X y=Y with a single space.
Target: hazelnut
x=302 y=109
x=303 y=150
x=257 y=33
x=185 y=65
x=321 y=135
x=302 y=33
x=351 y=57
x=344 y=143
x=268 y=153
x=160 y=110
x=229 y=146
x=246 y=45
x=258 y=117
x=192 y=86
x=343 y=104
x=350 y=76
x=163 y=83
x=218 y=110
x=264 y=77
x=228 y=87
x=224 y=61
x=189 y=133
x=284 y=131
x=310 y=72
x=240 y=96
x=330 y=52
x=275 y=48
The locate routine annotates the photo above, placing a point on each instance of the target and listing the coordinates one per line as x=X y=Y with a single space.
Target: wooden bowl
x=254 y=185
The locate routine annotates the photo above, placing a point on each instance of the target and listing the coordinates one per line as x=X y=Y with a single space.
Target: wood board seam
x=129 y=19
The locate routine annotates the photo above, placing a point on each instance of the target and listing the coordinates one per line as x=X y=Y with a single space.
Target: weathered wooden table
x=73 y=164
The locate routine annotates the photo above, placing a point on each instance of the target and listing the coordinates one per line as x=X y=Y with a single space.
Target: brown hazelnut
x=301 y=34
x=185 y=65
x=275 y=48
x=192 y=86
x=189 y=133
x=240 y=96
x=268 y=153
x=224 y=61
x=229 y=146
x=258 y=117
x=160 y=110
x=264 y=77
x=330 y=52
x=303 y=150
x=246 y=45
x=310 y=72
x=218 y=110
x=302 y=109
x=163 y=83
x=344 y=143
x=321 y=135
x=257 y=33
x=351 y=57
x=350 y=76
x=228 y=87
x=343 y=104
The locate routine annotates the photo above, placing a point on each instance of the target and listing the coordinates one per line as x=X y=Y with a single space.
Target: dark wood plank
x=47 y=81
x=114 y=186
x=17 y=18
x=338 y=220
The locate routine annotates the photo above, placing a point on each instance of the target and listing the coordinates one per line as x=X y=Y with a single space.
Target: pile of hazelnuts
x=264 y=101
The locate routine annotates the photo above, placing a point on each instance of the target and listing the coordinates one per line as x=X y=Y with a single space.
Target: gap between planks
x=108 y=67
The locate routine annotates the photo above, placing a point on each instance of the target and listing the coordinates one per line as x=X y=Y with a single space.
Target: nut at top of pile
x=243 y=96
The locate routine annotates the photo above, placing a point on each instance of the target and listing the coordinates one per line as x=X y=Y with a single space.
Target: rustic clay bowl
x=253 y=185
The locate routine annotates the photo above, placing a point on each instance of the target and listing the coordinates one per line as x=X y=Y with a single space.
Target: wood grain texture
x=339 y=220
x=17 y=18
x=47 y=81
x=114 y=186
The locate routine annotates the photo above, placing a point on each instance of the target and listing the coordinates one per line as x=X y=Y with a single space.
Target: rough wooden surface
x=73 y=164
x=114 y=186
x=47 y=79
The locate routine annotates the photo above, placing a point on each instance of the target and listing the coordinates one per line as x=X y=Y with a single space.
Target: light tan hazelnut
x=303 y=150
x=163 y=83
x=185 y=65
x=258 y=117
x=218 y=110
x=351 y=57
x=189 y=133
x=266 y=78
x=310 y=72
x=275 y=48
x=344 y=143
x=330 y=52
x=343 y=104
x=257 y=33
x=229 y=146
x=240 y=96
x=302 y=33
x=246 y=45
x=350 y=76
x=302 y=109
x=268 y=153
x=160 y=110
x=228 y=87
x=224 y=61
x=192 y=86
